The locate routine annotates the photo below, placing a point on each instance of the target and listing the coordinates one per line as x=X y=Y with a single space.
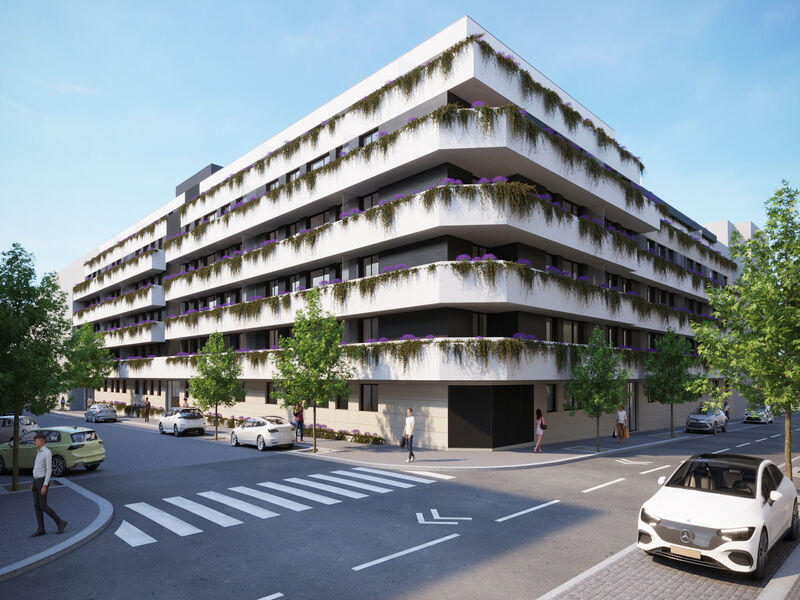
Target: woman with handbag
x=540 y=427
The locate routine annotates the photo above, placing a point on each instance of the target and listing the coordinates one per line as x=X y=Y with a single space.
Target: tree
x=310 y=367
x=88 y=360
x=598 y=380
x=217 y=383
x=669 y=374
x=33 y=333
x=755 y=341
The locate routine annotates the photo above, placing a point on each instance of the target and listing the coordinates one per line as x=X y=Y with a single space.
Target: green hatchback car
x=71 y=447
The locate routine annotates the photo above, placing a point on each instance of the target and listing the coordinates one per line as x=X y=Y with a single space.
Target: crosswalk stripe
x=166 y=520
x=383 y=480
x=250 y=509
x=432 y=474
x=290 y=504
x=327 y=488
x=393 y=474
x=356 y=484
x=302 y=493
x=203 y=511
x=133 y=536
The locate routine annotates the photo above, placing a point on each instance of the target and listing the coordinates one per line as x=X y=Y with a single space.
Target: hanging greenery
x=130 y=330
x=129 y=297
x=136 y=364
x=688 y=242
x=144 y=231
x=83 y=285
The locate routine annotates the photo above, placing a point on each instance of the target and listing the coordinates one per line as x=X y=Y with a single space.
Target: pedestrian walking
x=622 y=423
x=299 y=424
x=42 y=470
x=62 y=402
x=146 y=410
x=408 y=434
x=540 y=427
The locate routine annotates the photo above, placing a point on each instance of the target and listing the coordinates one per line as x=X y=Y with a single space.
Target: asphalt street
x=195 y=519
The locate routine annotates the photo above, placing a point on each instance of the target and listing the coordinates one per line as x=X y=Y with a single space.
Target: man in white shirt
x=42 y=470
x=408 y=433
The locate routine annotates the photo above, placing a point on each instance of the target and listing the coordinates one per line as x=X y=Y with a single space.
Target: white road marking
x=382 y=480
x=327 y=488
x=203 y=511
x=272 y=597
x=527 y=510
x=761 y=440
x=302 y=493
x=720 y=451
x=435 y=514
x=272 y=499
x=776 y=435
x=404 y=552
x=166 y=520
x=625 y=461
x=251 y=509
x=431 y=474
x=783 y=464
x=392 y=474
x=421 y=520
x=356 y=484
x=133 y=536
x=743 y=445
x=602 y=485
x=654 y=470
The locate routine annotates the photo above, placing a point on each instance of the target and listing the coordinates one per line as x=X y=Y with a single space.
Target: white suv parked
x=182 y=420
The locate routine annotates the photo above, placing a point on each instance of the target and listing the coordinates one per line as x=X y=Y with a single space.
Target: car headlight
x=737 y=534
x=649 y=519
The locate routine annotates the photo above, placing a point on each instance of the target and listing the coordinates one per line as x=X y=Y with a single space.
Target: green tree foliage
x=670 y=379
x=755 y=342
x=33 y=332
x=217 y=383
x=598 y=383
x=89 y=363
x=310 y=367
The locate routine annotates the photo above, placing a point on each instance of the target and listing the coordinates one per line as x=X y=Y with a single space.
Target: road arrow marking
x=421 y=520
x=435 y=514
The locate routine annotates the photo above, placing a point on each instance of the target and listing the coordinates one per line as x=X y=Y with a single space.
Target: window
x=294 y=175
x=135 y=386
x=548 y=329
x=274 y=337
x=369 y=266
x=369 y=397
x=272 y=185
x=296 y=282
x=479 y=324
x=369 y=329
x=570 y=331
x=767 y=484
x=341 y=402
x=269 y=396
x=777 y=476
x=319 y=162
x=478 y=250
x=159 y=387
x=552 y=405
x=124 y=386
x=368 y=138
x=369 y=201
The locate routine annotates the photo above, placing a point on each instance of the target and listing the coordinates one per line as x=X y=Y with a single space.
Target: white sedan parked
x=182 y=420
x=720 y=510
x=264 y=432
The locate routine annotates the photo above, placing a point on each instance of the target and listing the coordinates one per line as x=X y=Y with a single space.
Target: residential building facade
x=467 y=220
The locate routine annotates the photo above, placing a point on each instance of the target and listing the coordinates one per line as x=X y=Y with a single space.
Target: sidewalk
x=86 y=514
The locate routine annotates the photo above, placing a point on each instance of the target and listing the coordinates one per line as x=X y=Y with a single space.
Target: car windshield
x=700 y=411
x=191 y=413
x=275 y=420
x=104 y=406
x=717 y=477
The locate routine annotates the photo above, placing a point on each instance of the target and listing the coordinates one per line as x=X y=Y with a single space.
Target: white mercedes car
x=759 y=415
x=720 y=510
x=264 y=432
x=182 y=420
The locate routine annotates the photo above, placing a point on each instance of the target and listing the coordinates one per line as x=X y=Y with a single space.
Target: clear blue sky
x=106 y=106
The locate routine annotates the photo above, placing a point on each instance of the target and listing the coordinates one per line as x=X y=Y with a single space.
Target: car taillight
x=75 y=446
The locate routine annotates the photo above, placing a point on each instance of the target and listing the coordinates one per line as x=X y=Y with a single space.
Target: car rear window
x=84 y=436
x=275 y=420
x=716 y=477
x=191 y=414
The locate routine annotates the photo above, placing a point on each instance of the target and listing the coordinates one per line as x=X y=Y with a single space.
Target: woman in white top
x=408 y=433
x=539 y=430
x=622 y=422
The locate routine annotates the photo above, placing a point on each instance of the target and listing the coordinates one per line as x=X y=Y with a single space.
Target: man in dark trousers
x=146 y=410
x=42 y=470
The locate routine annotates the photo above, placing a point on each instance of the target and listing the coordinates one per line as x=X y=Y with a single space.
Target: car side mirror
x=775 y=496
x=662 y=480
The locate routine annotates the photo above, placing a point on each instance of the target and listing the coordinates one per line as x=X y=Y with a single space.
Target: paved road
x=273 y=528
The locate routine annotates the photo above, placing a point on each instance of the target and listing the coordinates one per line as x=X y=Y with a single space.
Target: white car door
x=786 y=504
x=258 y=429
x=773 y=515
x=247 y=432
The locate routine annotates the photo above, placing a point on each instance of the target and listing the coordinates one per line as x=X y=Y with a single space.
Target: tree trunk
x=314 y=433
x=86 y=397
x=15 y=453
x=787 y=441
x=671 y=420
x=216 y=421
x=597 y=431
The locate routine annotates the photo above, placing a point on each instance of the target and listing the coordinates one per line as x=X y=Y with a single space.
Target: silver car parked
x=26 y=424
x=100 y=412
x=710 y=421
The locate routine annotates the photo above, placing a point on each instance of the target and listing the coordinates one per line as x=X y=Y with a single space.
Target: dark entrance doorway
x=489 y=416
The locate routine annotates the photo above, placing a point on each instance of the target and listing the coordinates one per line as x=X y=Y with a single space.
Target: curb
x=567 y=585
x=100 y=522
x=782 y=581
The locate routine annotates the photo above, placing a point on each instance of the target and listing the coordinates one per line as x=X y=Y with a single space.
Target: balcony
x=152 y=297
x=151 y=332
x=137 y=268
x=140 y=239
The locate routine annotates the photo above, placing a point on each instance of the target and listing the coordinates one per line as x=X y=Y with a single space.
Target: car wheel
x=59 y=466
x=92 y=467
x=761 y=557
x=2 y=465
x=725 y=427
x=160 y=428
x=86 y=418
x=260 y=444
x=175 y=430
x=794 y=528
x=234 y=440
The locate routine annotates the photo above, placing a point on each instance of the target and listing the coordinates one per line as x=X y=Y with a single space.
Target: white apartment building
x=467 y=219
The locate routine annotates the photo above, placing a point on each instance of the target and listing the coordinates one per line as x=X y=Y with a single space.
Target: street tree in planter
x=310 y=366
x=217 y=383
x=598 y=380
x=669 y=377
x=89 y=363
x=755 y=341
x=33 y=334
